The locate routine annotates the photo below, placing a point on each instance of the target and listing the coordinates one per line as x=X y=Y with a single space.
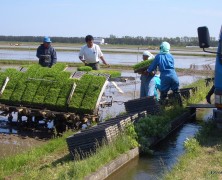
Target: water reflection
x=164 y=157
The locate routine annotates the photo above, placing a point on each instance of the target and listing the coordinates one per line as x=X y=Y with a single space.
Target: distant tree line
x=125 y=40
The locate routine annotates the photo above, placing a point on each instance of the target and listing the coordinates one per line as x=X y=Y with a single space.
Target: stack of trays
x=148 y=104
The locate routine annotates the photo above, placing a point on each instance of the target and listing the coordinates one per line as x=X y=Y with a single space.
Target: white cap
x=147 y=53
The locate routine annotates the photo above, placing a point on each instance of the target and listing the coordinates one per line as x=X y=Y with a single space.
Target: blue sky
x=77 y=18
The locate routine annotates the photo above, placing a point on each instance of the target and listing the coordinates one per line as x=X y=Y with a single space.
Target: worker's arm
x=54 y=57
x=103 y=60
x=81 y=59
x=100 y=54
x=81 y=55
x=153 y=65
x=38 y=53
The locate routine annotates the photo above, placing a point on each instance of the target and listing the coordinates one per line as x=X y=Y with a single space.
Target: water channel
x=164 y=156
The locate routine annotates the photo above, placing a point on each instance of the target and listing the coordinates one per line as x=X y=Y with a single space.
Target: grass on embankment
x=203 y=157
x=29 y=159
x=159 y=125
x=33 y=165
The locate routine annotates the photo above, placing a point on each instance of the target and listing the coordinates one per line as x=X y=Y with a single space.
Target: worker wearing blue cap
x=46 y=53
x=165 y=61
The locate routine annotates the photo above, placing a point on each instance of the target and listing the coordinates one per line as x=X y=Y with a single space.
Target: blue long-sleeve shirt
x=46 y=51
x=165 y=62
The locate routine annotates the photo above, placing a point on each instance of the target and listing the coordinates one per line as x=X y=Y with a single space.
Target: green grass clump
x=159 y=126
x=25 y=161
x=84 y=68
x=32 y=165
x=143 y=64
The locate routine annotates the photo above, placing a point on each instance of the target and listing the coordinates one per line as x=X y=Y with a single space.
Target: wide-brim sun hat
x=47 y=40
x=147 y=53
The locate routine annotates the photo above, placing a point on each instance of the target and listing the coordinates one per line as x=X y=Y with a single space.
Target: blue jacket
x=46 y=51
x=165 y=63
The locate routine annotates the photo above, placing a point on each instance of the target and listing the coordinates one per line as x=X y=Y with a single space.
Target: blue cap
x=47 y=40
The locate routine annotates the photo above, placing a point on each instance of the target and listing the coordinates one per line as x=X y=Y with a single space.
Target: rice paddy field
x=51 y=88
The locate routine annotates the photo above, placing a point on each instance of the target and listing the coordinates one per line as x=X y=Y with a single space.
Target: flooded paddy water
x=111 y=58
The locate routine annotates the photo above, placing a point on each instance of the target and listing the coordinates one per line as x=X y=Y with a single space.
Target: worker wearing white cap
x=147 y=87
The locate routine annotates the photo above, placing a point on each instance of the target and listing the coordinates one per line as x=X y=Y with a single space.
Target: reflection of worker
x=46 y=53
x=91 y=53
x=148 y=84
x=165 y=61
x=210 y=93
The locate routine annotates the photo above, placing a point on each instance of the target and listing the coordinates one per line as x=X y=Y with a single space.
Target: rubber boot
x=177 y=97
x=163 y=96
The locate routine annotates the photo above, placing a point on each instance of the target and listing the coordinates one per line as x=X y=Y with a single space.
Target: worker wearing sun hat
x=149 y=54
x=46 y=53
x=165 y=61
x=147 y=87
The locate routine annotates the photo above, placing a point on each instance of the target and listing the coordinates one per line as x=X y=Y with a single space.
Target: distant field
x=184 y=51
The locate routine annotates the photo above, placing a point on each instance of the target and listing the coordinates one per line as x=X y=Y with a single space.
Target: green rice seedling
x=64 y=75
x=19 y=89
x=13 y=80
x=33 y=68
x=51 y=97
x=61 y=104
x=112 y=73
x=42 y=92
x=84 y=68
x=5 y=97
x=76 y=102
x=142 y=65
x=38 y=100
x=30 y=91
x=2 y=78
x=59 y=67
x=80 y=91
x=92 y=94
x=65 y=89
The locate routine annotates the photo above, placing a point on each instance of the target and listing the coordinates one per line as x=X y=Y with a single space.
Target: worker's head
x=165 y=47
x=46 y=41
x=89 y=40
x=147 y=55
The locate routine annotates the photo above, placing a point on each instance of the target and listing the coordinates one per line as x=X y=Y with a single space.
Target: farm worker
x=209 y=94
x=90 y=54
x=165 y=61
x=46 y=53
x=147 y=87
